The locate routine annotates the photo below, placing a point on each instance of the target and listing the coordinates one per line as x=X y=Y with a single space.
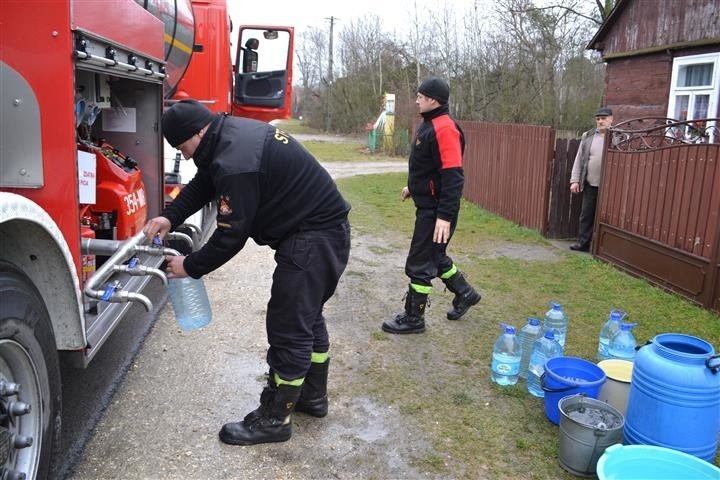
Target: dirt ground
x=164 y=419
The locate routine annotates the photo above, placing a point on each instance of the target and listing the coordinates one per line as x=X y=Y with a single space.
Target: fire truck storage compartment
x=118 y=118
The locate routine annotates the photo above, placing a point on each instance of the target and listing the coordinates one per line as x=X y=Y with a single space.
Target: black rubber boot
x=412 y=320
x=465 y=295
x=265 y=396
x=271 y=424
x=313 y=399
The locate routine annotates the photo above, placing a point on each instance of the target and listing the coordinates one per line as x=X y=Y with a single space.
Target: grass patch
x=294 y=126
x=337 y=152
x=351 y=149
x=442 y=378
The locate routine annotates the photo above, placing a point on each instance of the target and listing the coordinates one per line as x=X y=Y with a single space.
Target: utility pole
x=329 y=75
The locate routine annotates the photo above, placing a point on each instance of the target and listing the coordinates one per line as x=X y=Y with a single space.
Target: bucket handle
x=713 y=368
x=553 y=390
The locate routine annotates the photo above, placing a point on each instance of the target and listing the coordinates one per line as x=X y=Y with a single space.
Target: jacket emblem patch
x=224 y=205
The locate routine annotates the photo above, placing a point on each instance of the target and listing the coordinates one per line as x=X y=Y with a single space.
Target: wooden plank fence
x=507 y=168
x=659 y=204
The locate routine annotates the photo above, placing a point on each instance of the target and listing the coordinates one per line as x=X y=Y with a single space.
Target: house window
x=694 y=92
x=695 y=87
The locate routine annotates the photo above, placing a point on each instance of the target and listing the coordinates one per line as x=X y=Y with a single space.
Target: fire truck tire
x=30 y=388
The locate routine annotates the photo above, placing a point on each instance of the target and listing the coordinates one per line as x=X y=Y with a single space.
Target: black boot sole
x=233 y=441
x=402 y=332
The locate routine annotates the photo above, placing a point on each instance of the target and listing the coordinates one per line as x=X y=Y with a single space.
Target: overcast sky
x=315 y=13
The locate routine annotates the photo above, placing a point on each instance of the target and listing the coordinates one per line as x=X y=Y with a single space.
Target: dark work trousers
x=427 y=259
x=587 y=215
x=309 y=265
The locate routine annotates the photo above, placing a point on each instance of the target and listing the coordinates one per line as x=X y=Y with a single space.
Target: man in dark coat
x=435 y=183
x=268 y=188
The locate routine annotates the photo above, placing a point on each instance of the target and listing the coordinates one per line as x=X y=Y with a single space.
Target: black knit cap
x=184 y=119
x=435 y=87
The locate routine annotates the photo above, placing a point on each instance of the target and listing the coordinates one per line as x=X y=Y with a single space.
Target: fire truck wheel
x=30 y=392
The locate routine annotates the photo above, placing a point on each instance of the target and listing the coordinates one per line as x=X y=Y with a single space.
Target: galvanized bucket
x=587 y=427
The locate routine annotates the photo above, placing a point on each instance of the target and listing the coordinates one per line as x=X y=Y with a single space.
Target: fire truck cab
x=83 y=85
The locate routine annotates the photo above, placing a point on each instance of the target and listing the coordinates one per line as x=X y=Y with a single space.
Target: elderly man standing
x=585 y=176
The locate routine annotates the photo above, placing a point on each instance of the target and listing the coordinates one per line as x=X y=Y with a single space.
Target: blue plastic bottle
x=607 y=332
x=506 y=357
x=543 y=350
x=556 y=320
x=527 y=336
x=190 y=303
x=622 y=345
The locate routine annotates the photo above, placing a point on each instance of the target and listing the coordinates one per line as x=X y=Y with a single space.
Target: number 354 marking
x=134 y=201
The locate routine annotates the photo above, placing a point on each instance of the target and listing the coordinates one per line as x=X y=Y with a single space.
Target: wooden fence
x=659 y=204
x=659 y=209
x=508 y=169
x=522 y=173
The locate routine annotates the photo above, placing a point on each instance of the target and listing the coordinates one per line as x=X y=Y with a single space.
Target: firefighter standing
x=268 y=188
x=435 y=183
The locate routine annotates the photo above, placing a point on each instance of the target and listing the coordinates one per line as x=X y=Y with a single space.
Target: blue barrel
x=674 y=399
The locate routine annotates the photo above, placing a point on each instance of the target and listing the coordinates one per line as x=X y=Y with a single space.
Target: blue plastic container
x=527 y=336
x=507 y=352
x=555 y=319
x=645 y=462
x=569 y=376
x=674 y=398
x=543 y=350
x=190 y=303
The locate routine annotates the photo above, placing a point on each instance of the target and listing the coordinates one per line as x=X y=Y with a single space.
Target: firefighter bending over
x=268 y=188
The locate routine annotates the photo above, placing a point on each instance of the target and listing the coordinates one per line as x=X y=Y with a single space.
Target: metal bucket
x=587 y=427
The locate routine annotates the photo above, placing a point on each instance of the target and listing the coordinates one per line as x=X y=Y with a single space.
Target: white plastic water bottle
x=607 y=332
x=527 y=336
x=543 y=350
x=622 y=345
x=556 y=320
x=190 y=302
x=506 y=357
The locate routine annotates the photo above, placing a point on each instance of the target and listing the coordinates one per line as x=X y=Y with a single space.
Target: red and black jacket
x=435 y=177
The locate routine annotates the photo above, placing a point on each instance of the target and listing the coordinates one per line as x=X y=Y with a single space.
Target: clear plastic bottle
x=543 y=350
x=527 y=336
x=506 y=357
x=556 y=320
x=622 y=345
x=190 y=302
x=608 y=331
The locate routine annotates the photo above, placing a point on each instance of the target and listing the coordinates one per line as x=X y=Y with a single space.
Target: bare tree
x=518 y=63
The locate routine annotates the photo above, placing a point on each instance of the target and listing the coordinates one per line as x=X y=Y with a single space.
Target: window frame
x=713 y=90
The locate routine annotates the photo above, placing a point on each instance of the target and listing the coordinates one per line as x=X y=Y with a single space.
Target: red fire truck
x=83 y=84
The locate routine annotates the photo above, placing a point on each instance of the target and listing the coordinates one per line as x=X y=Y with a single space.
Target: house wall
x=647 y=24
x=639 y=86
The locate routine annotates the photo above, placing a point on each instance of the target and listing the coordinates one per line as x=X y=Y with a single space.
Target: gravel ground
x=164 y=419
